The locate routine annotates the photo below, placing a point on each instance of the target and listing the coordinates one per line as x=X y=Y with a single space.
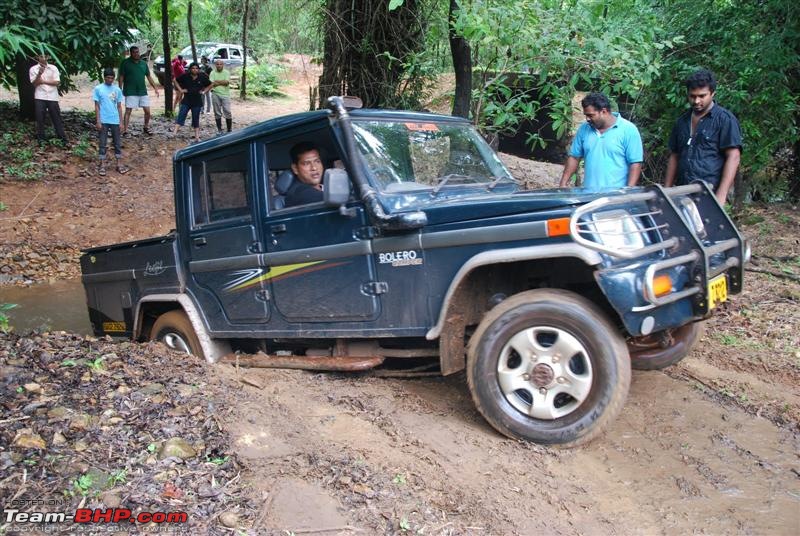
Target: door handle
x=278 y=229
x=200 y=241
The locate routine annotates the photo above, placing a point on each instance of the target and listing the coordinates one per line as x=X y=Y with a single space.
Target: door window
x=236 y=54
x=220 y=189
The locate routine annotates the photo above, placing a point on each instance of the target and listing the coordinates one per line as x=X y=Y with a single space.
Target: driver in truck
x=308 y=168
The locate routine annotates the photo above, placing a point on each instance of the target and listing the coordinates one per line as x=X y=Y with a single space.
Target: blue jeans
x=103 y=139
x=184 y=111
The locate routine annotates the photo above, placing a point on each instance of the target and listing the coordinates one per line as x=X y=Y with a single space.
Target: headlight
x=692 y=217
x=618 y=229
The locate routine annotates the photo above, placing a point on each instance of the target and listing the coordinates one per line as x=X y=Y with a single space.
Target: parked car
x=423 y=246
x=230 y=54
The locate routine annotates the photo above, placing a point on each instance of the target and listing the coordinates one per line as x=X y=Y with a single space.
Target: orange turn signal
x=662 y=284
x=558 y=227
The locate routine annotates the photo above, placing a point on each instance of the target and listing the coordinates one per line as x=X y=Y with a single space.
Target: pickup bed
x=423 y=247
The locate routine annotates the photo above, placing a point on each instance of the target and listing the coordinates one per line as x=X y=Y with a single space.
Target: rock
x=229 y=519
x=111 y=499
x=58 y=413
x=33 y=387
x=28 y=440
x=80 y=445
x=59 y=439
x=123 y=390
x=9 y=459
x=81 y=421
x=151 y=389
x=177 y=447
x=366 y=491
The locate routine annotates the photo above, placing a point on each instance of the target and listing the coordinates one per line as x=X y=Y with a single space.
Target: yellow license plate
x=717 y=291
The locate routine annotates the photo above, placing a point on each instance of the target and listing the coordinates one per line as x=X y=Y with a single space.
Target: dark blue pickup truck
x=423 y=246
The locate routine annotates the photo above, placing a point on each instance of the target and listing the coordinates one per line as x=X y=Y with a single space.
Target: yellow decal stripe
x=275 y=271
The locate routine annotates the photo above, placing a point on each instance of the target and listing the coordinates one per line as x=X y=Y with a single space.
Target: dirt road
x=709 y=446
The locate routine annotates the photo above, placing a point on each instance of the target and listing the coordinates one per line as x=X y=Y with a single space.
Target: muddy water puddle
x=59 y=306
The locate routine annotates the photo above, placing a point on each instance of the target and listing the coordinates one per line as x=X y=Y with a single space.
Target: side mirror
x=335 y=187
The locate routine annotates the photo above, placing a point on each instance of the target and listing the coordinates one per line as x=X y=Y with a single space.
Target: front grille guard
x=722 y=250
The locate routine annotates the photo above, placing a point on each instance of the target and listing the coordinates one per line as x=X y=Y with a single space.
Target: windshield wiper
x=496 y=180
x=445 y=179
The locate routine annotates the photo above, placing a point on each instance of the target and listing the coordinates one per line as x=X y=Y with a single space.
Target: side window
x=223 y=53
x=220 y=189
x=236 y=54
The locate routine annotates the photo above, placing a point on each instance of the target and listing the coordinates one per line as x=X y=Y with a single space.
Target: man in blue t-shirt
x=108 y=109
x=610 y=145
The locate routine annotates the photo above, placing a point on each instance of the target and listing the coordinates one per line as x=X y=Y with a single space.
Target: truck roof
x=293 y=120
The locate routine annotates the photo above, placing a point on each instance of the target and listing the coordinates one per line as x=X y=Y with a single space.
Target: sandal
x=122 y=170
x=101 y=171
x=147 y=132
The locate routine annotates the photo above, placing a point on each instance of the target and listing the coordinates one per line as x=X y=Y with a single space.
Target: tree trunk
x=462 y=65
x=794 y=178
x=24 y=87
x=243 y=84
x=191 y=33
x=167 y=59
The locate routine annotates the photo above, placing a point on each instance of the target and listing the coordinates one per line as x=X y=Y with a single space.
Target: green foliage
x=265 y=79
x=534 y=55
x=82 y=148
x=18 y=39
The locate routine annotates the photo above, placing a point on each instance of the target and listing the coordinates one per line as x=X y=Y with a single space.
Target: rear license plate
x=717 y=291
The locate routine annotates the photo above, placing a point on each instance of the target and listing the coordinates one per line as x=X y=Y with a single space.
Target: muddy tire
x=548 y=366
x=175 y=331
x=648 y=354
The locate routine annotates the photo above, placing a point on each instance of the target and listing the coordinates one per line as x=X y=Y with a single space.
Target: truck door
x=224 y=241
x=320 y=264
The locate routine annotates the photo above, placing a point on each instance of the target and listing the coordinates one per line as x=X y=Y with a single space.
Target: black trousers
x=42 y=106
x=103 y=140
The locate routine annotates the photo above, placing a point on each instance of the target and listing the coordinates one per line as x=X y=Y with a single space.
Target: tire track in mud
x=416 y=454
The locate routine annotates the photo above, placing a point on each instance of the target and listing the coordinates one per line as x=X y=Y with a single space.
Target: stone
x=33 y=387
x=151 y=389
x=58 y=413
x=176 y=447
x=229 y=519
x=111 y=499
x=81 y=421
x=59 y=439
x=29 y=440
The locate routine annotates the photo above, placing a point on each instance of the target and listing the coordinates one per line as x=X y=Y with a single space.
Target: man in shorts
x=132 y=73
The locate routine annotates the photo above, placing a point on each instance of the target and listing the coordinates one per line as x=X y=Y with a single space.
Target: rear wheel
x=660 y=350
x=547 y=366
x=175 y=331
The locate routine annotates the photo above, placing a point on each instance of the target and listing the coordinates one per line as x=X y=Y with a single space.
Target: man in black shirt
x=308 y=169
x=706 y=141
x=193 y=85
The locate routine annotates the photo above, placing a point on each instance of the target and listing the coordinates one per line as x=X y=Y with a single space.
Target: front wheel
x=665 y=348
x=547 y=366
x=176 y=332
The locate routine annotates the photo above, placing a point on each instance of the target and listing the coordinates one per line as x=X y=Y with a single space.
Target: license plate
x=717 y=291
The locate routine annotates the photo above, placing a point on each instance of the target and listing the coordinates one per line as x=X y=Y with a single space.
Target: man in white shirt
x=45 y=80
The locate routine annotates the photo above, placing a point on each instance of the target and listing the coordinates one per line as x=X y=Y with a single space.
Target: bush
x=264 y=79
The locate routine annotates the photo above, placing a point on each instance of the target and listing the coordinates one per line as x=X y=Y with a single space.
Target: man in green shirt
x=132 y=72
x=221 y=95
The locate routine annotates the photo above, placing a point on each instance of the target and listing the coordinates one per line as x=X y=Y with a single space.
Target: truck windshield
x=404 y=156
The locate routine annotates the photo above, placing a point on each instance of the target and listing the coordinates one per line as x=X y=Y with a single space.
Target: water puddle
x=59 y=306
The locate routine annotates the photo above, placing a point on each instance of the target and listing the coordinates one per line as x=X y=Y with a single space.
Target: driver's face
x=309 y=168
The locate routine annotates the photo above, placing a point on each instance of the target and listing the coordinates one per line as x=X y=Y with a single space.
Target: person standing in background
x=108 y=110
x=132 y=74
x=610 y=144
x=706 y=141
x=45 y=79
x=221 y=95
